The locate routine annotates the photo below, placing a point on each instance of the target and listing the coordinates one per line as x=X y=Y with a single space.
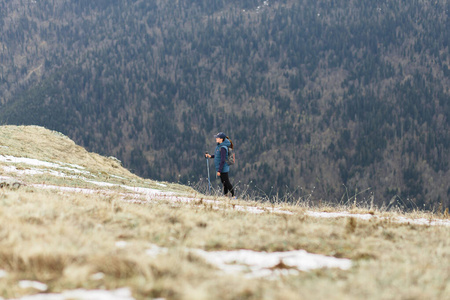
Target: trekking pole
x=209 y=180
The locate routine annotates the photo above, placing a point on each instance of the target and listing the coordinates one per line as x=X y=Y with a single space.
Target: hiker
x=220 y=161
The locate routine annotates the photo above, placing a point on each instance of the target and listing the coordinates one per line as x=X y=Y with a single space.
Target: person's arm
x=223 y=155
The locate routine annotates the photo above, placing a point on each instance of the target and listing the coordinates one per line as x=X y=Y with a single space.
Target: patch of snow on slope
x=260 y=210
x=72 y=165
x=136 y=189
x=12 y=169
x=338 y=214
x=121 y=244
x=421 y=221
x=68 y=189
x=27 y=161
x=3 y=273
x=28 y=284
x=146 y=191
x=81 y=294
x=6 y=178
x=99 y=183
x=264 y=264
x=40 y=163
x=155 y=250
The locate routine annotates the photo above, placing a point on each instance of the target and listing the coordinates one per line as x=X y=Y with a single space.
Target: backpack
x=231 y=156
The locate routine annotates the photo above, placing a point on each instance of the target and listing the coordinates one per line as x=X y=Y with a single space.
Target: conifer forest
x=324 y=100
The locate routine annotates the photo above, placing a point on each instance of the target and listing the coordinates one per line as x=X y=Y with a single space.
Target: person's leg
x=227 y=186
x=223 y=180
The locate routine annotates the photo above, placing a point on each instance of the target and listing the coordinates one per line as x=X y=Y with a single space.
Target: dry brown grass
x=40 y=143
x=66 y=239
x=63 y=239
x=50 y=146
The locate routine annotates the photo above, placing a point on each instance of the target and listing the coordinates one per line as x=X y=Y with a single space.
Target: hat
x=221 y=135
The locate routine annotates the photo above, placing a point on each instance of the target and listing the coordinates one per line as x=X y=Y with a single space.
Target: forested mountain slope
x=338 y=97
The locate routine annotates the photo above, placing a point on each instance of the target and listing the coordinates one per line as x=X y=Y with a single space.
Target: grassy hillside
x=81 y=221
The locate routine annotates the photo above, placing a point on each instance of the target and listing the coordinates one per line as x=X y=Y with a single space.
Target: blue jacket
x=220 y=157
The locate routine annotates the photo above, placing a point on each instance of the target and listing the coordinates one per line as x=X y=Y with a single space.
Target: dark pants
x=226 y=184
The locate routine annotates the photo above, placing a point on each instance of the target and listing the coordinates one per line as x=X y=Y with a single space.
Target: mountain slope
x=33 y=155
x=348 y=100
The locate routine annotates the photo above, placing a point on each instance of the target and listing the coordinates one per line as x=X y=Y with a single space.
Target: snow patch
x=121 y=244
x=338 y=215
x=7 y=178
x=81 y=294
x=99 y=183
x=3 y=274
x=12 y=169
x=27 y=161
x=68 y=189
x=260 y=210
x=146 y=191
x=403 y=220
x=27 y=284
x=40 y=163
x=423 y=221
x=264 y=264
x=155 y=250
x=97 y=276
x=72 y=165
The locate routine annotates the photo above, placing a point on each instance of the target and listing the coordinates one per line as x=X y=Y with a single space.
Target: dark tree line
x=320 y=94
